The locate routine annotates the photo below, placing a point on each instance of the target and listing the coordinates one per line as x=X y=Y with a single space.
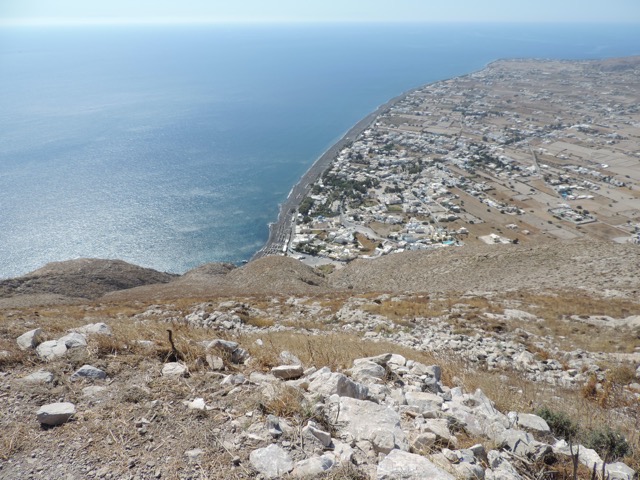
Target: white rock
x=364 y=420
x=423 y=442
x=41 y=376
x=194 y=455
x=331 y=383
x=367 y=371
x=531 y=422
x=408 y=466
x=397 y=361
x=89 y=372
x=95 y=328
x=518 y=441
x=425 y=401
x=94 y=391
x=74 y=340
x=215 y=363
x=440 y=428
x=197 y=404
x=343 y=451
x=620 y=471
x=271 y=461
x=313 y=467
x=51 y=350
x=174 y=369
x=287 y=372
x=288 y=358
x=56 y=413
x=30 y=339
x=321 y=435
x=586 y=456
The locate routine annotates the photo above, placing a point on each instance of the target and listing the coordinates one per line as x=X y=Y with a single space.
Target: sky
x=39 y=12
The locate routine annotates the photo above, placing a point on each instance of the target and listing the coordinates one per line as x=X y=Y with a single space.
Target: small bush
x=610 y=445
x=559 y=423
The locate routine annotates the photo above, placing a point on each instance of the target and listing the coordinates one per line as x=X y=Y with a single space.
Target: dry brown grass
x=336 y=351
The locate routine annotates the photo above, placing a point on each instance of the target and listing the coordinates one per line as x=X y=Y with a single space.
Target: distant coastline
x=280 y=230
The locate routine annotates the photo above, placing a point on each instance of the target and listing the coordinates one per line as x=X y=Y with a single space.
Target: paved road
x=280 y=232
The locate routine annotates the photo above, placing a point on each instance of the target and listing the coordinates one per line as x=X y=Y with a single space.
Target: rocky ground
x=370 y=386
x=496 y=364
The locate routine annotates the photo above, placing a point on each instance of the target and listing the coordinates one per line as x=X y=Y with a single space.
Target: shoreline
x=279 y=231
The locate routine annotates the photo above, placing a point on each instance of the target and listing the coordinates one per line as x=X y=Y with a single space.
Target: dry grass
x=336 y=351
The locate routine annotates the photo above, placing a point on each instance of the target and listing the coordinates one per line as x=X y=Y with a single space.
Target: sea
x=172 y=146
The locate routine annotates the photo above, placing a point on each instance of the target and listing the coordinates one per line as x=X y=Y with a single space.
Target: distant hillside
x=597 y=267
x=80 y=279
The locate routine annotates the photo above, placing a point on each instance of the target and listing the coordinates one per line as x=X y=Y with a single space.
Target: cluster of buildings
x=512 y=153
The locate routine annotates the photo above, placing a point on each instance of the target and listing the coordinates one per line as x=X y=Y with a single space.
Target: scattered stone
x=174 y=369
x=271 y=461
x=233 y=379
x=93 y=391
x=56 y=413
x=194 y=455
x=40 y=376
x=52 y=349
x=329 y=383
x=532 y=422
x=214 y=362
x=30 y=339
x=273 y=426
x=197 y=404
x=362 y=420
x=288 y=358
x=236 y=354
x=287 y=372
x=89 y=372
x=408 y=466
x=423 y=442
x=74 y=340
x=365 y=370
x=321 y=435
x=425 y=401
x=313 y=467
x=95 y=328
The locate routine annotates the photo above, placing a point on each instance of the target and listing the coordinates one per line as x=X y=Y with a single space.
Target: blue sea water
x=172 y=146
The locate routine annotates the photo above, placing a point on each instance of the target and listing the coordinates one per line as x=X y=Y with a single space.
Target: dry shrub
x=285 y=401
x=622 y=374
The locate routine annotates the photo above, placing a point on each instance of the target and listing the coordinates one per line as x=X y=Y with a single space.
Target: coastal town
x=522 y=151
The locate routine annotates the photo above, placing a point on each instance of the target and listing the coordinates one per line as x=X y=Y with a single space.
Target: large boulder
x=408 y=466
x=30 y=339
x=52 y=349
x=329 y=383
x=364 y=420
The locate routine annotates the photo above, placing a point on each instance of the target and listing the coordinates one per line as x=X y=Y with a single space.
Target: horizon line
x=160 y=21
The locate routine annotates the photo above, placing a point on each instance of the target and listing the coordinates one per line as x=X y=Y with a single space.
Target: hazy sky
x=114 y=11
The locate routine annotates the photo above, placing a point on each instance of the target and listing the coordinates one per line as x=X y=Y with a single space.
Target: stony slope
x=597 y=267
x=594 y=266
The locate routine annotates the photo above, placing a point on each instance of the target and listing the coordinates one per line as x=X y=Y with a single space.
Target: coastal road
x=280 y=232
